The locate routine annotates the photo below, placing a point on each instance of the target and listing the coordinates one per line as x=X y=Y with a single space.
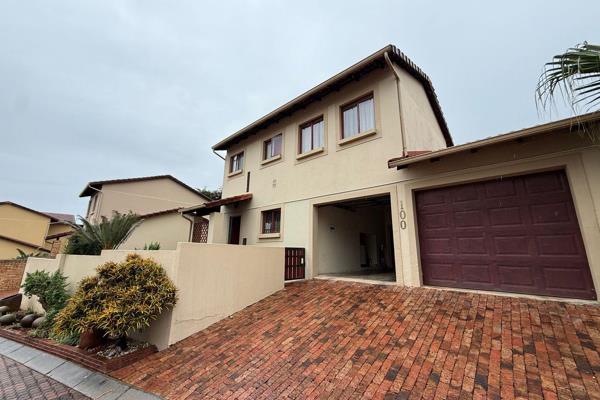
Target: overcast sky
x=93 y=90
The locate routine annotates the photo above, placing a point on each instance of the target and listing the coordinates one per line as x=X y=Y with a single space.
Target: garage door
x=517 y=234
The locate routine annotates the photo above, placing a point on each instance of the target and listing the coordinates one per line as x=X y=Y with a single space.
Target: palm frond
x=573 y=74
x=92 y=238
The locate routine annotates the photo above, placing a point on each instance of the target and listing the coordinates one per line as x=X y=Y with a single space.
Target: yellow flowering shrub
x=121 y=298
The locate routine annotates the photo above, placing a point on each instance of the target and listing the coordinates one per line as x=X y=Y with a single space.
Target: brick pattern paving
x=17 y=382
x=326 y=339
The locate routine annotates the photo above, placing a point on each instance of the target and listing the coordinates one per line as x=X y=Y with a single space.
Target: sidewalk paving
x=25 y=371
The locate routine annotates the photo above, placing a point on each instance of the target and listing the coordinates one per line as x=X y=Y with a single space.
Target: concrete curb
x=90 y=383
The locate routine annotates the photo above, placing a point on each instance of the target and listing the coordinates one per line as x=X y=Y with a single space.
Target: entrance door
x=234 y=229
x=515 y=234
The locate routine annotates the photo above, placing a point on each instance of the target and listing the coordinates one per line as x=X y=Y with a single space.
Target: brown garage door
x=517 y=234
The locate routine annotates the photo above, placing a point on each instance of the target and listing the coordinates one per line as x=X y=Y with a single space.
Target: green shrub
x=92 y=238
x=120 y=298
x=152 y=246
x=51 y=290
x=24 y=256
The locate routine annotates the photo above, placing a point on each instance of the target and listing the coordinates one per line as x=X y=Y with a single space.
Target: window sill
x=270 y=160
x=354 y=138
x=269 y=235
x=310 y=153
x=234 y=173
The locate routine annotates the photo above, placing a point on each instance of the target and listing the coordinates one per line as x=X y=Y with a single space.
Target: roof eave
x=283 y=111
x=566 y=123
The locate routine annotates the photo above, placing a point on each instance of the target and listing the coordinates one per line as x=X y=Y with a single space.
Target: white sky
x=112 y=89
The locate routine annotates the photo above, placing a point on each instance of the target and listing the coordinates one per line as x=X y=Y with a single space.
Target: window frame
x=311 y=122
x=355 y=103
x=231 y=172
x=263 y=214
x=266 y=158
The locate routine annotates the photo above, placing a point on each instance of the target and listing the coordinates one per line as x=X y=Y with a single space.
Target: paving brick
x=18 y=382
x=327 y=339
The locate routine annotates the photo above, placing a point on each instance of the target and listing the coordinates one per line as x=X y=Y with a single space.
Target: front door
x=234 y=229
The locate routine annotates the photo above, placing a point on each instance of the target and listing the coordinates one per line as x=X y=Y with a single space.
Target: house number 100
x=402 y=217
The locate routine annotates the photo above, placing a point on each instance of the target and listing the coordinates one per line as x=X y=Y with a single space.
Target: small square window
x=272 y=147
x=358 y=117
x=271 y=221
x=236 y=162
x=311 y=135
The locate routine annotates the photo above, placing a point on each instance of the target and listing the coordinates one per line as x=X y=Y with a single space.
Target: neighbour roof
x=351 y=74
x=215 y=205
x=62 y=217
x=572 y=123
x=92 y=187
x=52 y=218
x=163 y=212
x=17 y=241
x=59 y=235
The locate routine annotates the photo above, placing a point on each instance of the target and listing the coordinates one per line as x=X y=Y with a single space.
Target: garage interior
x=354 y=239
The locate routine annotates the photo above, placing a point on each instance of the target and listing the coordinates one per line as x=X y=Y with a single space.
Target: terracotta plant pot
x=12 y=302
x=90 y=339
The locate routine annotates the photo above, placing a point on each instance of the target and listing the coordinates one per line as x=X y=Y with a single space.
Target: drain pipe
x=401 y=114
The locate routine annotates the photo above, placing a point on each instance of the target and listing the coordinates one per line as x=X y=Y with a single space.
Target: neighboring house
x=157 y=200
x=32 y=231
x=359 y=177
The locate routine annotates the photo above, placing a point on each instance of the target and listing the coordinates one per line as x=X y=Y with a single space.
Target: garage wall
x=575 y=153
x=339 y=237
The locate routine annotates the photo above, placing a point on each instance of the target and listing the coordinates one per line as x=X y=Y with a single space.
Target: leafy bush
x=51 y=290
x=24 y=256
x=120 y=298
x=91 y=239
x=152 y=246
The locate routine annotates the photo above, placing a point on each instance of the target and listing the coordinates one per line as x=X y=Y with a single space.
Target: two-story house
x=31 y=231
x=315 y=169
x=157 y=200
x=358 y=177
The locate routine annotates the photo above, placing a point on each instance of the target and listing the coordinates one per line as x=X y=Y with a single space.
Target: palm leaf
x=570 y=74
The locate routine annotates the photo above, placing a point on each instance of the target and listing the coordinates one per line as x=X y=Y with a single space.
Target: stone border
x=87 y=382
x=75 y=354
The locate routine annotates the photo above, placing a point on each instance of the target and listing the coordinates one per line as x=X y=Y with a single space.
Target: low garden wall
x=213 y=282
x=11 y=274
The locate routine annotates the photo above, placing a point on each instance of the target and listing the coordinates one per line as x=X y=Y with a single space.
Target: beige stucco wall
x=422 y=129
x=213 y=282
x=23 y=225
x=8 y=249
x=339 y=237
x=296 y=185
x=167 y=229
x=142 y=197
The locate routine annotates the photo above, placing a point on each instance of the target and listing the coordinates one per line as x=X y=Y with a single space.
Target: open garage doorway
x=355 y=239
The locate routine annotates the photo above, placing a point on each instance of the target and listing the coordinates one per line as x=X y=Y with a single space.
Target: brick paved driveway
x=327 y=339
x=17 y=382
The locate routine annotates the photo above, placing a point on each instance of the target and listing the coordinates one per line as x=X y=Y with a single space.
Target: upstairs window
x=311 y=135
x=271 y=221
x=272 y=147
x=236 y=162
x=358 y=117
